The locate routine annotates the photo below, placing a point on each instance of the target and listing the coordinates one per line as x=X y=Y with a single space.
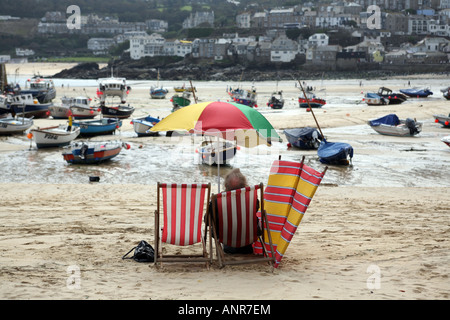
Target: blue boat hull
x=416 y=93
x=98 y=127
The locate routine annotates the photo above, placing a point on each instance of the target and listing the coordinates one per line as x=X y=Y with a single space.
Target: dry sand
x=348 y=237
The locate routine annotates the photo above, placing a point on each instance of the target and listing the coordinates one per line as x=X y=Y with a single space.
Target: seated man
x=235 y=180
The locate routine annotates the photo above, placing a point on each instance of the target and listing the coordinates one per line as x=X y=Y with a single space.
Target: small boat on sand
x=211 y=155
x=10 y=125
x=444 y=120
x=337 y=153
x=92 y=152
x=303 y=138
x=417 y=93
x=143 y=125
x=393 y=126
x=56 y=136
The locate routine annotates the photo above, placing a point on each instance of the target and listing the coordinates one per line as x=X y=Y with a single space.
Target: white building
x=100 y=45
x=318 y=39
x=243 y=20
x=283 y=49
x=148 y=45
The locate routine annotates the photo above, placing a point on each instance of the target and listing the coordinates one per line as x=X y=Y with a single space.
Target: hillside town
x=386 y=33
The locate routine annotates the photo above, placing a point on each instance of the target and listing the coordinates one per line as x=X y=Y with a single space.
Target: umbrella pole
x=307 y=101
x=218 y=166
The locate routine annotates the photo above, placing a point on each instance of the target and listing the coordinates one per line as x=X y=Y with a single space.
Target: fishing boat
x=92 y=152
x=373 y=99
x=303 y=138
x=77 y=107
x=417 y=93
x=444 y=120
x=11 y=125
x=245 y=97
x=143 y=125
x=276 y=101
x=113 y=87
x=314 y=101
x=5 y=106
x=120 y=111
x=97 y=126
x=40 y=88
x=393 y=97
x=56 y=136
x=211 y=155
x=337 y=153
x=183 y=88
x=27 y=105
x=180 y=101
x=391 y=125
x=158 y=92
x=446 y=140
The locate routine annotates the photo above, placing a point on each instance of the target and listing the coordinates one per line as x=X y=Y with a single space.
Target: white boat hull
x=14 y=125
x=400 y=130
x=54 y=136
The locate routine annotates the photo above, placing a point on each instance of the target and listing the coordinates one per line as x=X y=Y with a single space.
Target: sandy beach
x=53 y=233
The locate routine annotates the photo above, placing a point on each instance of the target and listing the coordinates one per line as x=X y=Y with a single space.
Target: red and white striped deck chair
x=237 y=223
x=183 y=208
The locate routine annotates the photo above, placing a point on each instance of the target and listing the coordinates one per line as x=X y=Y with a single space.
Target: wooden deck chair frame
x=206 y=255
x=227 y=260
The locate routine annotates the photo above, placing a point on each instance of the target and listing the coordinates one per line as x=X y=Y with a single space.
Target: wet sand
x=358 y=226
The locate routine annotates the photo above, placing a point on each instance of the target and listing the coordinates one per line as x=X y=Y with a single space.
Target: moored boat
x=10 y=125
x=143 y=125
x=444 y=120
x=158 y=93
x=303 y=138
x=314 y=101
x=27 y=105
x=56 y=136
x=392 y=97
x=276 y=101
x=78 y=107
x=92 y=152
x=120 y=111
x=245 y=97
x=373 y=99
x=113 y=87
x=417 y=93
x=393 y=126
x=40 y=88
x=180 y=101
x=97 y=126
x=211 y=155
x=337 y=153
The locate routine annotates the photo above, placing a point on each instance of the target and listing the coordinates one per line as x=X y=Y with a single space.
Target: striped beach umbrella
x=228 y=120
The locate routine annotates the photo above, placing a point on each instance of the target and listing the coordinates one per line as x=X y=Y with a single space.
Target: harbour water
x=418 y=161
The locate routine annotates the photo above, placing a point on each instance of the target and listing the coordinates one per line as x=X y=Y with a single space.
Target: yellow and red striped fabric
x=183 y=212
x=289 y=191
x=278 y=196
x=308 y=183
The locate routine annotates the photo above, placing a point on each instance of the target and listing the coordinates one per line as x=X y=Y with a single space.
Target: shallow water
x=378 y=160
x=163 y=159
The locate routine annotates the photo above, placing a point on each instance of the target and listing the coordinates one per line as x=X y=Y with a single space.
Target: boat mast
x=312 y=112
